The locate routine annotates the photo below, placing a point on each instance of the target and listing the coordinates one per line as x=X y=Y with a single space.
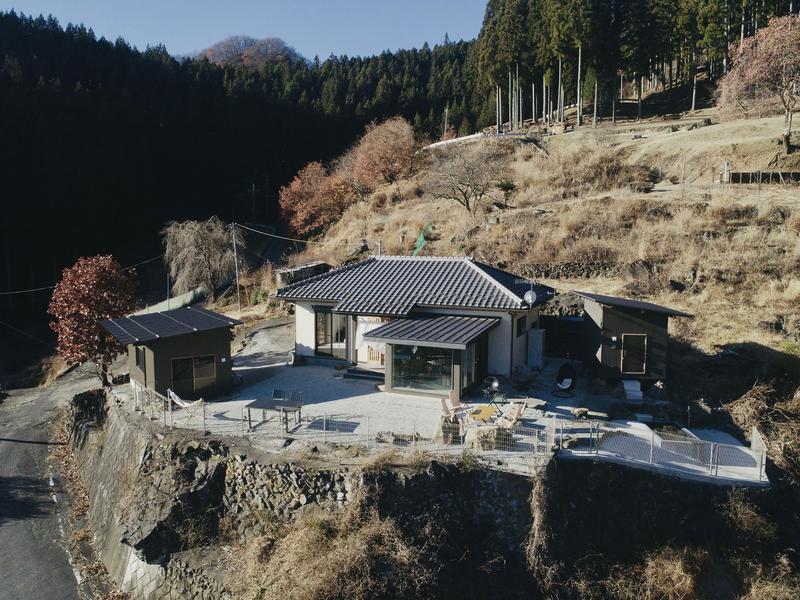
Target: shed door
x=634 y=353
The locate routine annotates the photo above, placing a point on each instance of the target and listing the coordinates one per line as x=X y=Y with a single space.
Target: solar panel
x=137 y=329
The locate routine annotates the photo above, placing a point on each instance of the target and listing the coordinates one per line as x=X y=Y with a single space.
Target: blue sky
x=313 y=27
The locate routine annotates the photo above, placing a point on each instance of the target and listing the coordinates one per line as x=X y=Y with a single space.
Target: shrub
x=384 y=152
x=314 y=199
x=350 y=555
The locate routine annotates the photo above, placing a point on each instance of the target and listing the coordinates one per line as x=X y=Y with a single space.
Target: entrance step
x=633 y=390
x=366 y=374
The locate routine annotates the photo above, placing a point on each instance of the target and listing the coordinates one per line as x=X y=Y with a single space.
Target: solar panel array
x=138 y=329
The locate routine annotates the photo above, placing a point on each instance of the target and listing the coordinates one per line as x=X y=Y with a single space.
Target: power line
x=26 y=334
x=144 y=262
x=280 y=237
x=52 y=287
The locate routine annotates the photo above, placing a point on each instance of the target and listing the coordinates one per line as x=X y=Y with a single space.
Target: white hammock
x=182 y=403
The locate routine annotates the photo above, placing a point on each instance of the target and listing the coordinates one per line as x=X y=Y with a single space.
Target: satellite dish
x=530 y=297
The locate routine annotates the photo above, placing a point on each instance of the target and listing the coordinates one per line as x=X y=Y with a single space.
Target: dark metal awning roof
x=438 y=331
x=138 y=329
x=632 y=304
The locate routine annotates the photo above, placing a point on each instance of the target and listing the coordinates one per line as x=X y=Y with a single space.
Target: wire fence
x=677 y=450
x=520 y=447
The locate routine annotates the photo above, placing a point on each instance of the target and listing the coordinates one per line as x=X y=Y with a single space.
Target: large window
x=422 y=368
x=330 y=334
x=192 y=377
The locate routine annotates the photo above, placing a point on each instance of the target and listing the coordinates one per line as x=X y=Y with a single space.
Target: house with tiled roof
x=425 y=325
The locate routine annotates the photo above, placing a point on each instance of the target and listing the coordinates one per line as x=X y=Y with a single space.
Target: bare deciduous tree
x=766 y=67
x=199 y=253
x=466 y=174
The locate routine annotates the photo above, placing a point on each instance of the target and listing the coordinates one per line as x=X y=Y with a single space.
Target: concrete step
x=633 y=390
x=366 y=374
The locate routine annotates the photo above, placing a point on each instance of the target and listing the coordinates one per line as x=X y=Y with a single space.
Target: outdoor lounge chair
x=566 y=380
x=511 y=414
x=454 y=409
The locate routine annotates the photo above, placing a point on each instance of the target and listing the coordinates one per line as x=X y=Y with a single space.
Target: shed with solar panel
x=186 y=350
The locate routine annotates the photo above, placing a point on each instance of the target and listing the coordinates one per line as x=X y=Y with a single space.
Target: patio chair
x=278 y=394
x=566 y=380
x=511 y=414
x=454 y=412
x=455 y=403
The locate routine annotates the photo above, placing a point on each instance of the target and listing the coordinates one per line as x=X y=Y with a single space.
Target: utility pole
x=533 y=102
x=594 y=110
x=236 y=265
x=580 y=91
x=444 y=130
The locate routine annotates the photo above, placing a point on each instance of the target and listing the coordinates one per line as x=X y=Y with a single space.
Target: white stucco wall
x=500 y=346
x=521 y=342
x=304 y=329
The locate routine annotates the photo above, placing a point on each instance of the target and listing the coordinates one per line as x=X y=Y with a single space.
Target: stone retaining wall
x=162 y=502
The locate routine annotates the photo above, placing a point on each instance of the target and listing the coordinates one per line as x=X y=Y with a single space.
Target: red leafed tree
x=314 y=199
x=299 y=199
x=384 y=152
x=766 y=68
x=91 y=290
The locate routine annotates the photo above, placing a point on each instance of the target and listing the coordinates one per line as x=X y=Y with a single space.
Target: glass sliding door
x=330 y=334
x=422 y=368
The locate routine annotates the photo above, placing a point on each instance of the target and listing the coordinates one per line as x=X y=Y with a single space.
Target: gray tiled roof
x=444 y=331
x=632 y=304
x=394 y=285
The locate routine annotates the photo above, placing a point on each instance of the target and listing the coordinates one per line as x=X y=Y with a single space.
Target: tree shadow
x=23 y=498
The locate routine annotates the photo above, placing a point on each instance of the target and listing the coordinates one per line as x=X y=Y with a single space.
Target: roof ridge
x=339 y=269
x=423 y=258
x=478 y=267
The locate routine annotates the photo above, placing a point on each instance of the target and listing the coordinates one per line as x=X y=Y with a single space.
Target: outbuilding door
x=194 y=377
x=634 y=353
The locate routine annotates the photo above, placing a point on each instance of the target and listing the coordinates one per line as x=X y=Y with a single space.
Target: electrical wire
x=26 y=334
x=280 y=237
x=52 y=287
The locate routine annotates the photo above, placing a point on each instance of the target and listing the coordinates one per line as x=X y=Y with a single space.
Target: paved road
x=33 y=562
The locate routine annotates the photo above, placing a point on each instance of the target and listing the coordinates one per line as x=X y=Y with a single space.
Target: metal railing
x=678 y=451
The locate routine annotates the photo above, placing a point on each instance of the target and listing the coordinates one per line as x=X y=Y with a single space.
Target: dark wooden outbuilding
x=626 y=339
x=187 y=350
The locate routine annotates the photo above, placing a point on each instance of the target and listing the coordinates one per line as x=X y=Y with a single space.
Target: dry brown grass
x=778 y=421
x=779 y=588
x=354 y=554
x=744 y=517
x=666 y=574
x=735 y=250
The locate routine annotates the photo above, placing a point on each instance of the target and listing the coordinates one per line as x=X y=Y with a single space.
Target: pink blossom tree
x=765 y=68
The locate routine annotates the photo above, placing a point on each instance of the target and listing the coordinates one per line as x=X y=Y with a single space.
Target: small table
x=261 y=404
x=484 y=413
x=287 y=408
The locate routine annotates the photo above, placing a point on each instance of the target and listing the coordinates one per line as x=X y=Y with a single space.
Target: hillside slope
x=606 y=211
